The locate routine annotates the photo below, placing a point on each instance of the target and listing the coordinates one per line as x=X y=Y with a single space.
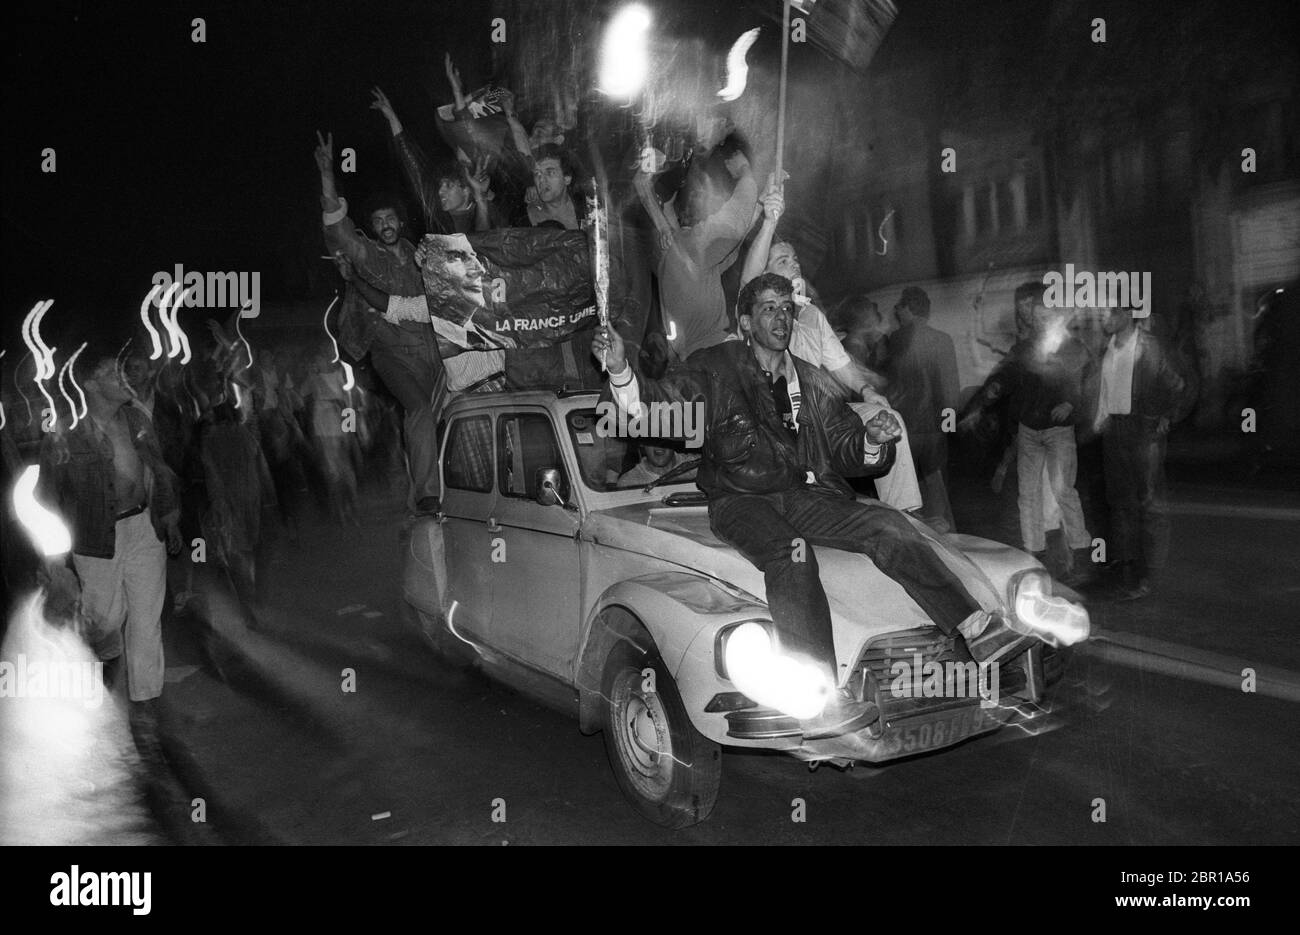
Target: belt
x=134 y=511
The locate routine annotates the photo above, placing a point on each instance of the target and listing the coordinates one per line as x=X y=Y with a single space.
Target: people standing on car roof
x=1043 y=379
x=455 y=198
x=815 y=341
x=779 y=440
x=404 y=354
x=1141 y=393
x=923 y=381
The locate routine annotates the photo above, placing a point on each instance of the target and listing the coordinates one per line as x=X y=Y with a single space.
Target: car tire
x=668 y=770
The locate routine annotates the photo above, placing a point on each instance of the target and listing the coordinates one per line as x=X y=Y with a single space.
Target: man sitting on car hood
x=779 y=439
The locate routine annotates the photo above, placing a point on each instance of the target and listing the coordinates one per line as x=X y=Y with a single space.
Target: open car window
x=611 y=463
x=526 y=445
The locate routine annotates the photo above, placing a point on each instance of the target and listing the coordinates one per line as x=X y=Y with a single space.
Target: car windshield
x=608 y=462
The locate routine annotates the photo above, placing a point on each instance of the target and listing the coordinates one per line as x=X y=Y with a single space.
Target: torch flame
x=46 y=529
x=737 y=68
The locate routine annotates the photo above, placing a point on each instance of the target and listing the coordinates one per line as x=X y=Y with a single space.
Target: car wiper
x=678 y=471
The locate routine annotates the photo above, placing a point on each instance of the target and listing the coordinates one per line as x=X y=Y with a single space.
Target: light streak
x=248 y=348
x=737 y=67
x=326 y=322
x=72 y=377
x=175 y=333
x=66 y=395
x=349 y=379
x=148 y=325
x=624 y=58
x=167 y=317
x=42 y=353
x=46 y=529
x=881 y=234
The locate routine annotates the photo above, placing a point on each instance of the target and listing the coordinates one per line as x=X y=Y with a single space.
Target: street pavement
x=1149 y=724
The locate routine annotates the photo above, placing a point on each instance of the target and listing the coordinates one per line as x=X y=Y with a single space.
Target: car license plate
x=916 y=735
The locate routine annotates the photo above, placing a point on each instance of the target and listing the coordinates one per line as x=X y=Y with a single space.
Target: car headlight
x=1055 y=620
x=746 y=655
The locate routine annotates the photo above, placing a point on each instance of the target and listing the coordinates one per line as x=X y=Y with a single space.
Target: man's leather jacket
x=747 y=448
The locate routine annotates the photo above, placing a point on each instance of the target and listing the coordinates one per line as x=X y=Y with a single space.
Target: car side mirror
x=548 y=487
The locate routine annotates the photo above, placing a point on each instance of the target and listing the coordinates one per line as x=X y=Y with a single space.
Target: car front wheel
x=668 y=770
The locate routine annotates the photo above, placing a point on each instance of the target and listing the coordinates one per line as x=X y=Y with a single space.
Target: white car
x=620 y=604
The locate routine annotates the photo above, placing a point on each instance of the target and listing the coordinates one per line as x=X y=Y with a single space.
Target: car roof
x=560 y=400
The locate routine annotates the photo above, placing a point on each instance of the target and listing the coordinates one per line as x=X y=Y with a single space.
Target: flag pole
x=780 y=104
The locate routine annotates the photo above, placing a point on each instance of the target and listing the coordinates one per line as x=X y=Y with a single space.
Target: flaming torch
x=599 y=227
x=48 y=533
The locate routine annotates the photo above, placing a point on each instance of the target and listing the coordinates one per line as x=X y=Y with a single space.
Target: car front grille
x=877 y=670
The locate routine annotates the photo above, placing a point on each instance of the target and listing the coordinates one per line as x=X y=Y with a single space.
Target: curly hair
x=749 y=294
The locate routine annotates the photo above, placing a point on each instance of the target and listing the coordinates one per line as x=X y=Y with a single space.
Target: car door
x=535 y=569
x=468 y=496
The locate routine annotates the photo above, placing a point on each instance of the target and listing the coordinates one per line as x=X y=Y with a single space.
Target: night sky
x=173 y=151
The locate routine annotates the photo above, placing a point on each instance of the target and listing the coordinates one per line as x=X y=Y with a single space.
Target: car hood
x=864 y=602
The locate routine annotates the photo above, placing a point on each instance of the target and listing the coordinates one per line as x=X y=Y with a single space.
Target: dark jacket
x=1159 y=388
x=1036 y=383
x=922 y=376
x=77 y=480
x=747 y=448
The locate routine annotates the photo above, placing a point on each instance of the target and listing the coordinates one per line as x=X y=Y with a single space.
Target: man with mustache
x=404 y=354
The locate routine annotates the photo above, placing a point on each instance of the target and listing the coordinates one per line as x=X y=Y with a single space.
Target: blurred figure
x=1140 y=395
x=239 y=488
x=867 y=332
x=1043 y=381
x=283 y=441
x=107 y=478
x=700 y=232
x=923 y=384
x=326 y=402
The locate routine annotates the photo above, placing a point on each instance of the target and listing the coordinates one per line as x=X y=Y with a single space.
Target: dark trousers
x=413 y=373
x=1134 y=455
x=763 y=526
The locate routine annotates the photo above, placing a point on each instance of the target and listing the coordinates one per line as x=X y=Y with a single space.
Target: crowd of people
x=823 y=404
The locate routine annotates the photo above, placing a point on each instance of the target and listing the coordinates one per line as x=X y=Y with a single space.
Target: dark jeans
x=411 y=371
x=1135 y=486
x=762 y=527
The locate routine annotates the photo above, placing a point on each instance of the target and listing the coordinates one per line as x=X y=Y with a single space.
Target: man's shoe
x=998 y=641
x=841 y=716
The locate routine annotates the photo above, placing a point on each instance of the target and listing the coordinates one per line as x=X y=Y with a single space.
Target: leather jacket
x=747 y=448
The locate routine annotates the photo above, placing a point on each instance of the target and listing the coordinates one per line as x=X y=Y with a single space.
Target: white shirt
x=1116 y=396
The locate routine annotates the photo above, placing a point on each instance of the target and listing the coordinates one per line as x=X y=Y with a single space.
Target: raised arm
x=773 y=203
x=341 y=236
